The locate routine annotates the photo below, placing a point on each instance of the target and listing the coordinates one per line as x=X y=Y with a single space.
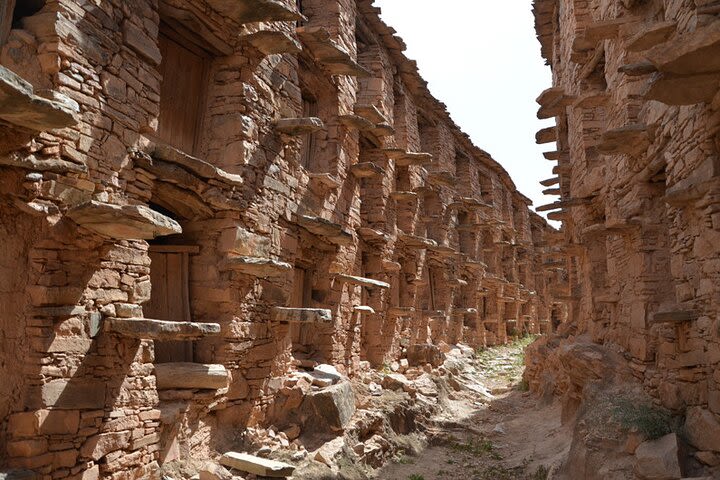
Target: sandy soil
x=505 y=435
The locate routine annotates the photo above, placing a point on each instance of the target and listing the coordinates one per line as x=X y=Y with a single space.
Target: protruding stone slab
x=123 y=222
x=674 y=316
x=370 y=235
x=20 y=105
x=257 y=465
x=298 y=126
x=255 y=266
x=356 y=122
x=546 y=135
x=366 y=170
x=324 y=180
x=365 y=282
x=637 y=69
x=146 y=328
x=404 y=196
x=364 y=309
x=691 y=53
x=329 y=53
x=630 y=140
x=184 y=375
x=650 y=36
x=443 y=178
x=196 y=165
x=673 y=89
x=401 y=311
x=414 y=241
x=271 y=42
x=371 y=113
x=405 y=159
x=332 y=232
x=302 y=315
x=245 y=11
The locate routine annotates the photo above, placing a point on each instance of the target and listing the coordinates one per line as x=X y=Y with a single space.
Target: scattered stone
x=256 y=465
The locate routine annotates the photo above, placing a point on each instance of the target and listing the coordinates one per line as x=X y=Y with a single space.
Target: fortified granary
x=216 y=212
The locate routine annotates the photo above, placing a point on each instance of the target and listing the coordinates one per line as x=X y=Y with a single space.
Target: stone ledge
x=327 y=52
x=257 y=465
x=365 y=282
x=272 y=42
x=674 y=316
x=366 y=170
x=298 y=126
x=20 y=105
x=332 y=232
x=123 y=222
x=302 y=315
x=246 y=11
x=185 y=375
x=149 y=329
x=256 y=266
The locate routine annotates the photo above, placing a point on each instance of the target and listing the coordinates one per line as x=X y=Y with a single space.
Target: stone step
x=150 y=329
x=184 y=375
x=329 y=53
x=123 y=222
x=246 y=11
x=298 y=126
x=366 y=170
x=362 y=281
x=271 y=42
x=256 y=465
x=255 y=266
x=20 y=105
x=302 y=315
x=546 y=135
x=330 y=231
x=356 y=122
x=371 y=113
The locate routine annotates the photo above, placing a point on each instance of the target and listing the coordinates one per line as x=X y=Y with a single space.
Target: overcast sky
x=481 y=59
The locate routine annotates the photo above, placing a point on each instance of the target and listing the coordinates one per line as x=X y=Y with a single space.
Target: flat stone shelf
x=383 y=129
x=365 y=282
x=366 y=170
x=326 y=229
x=364 y=310
x=246 y=11
x=558 y=216
x=465 y=311
x=356 y=122
x=371 y=113
x=201 y=168
x=433 y=313
x=446 y=179
x=404 y=196
x=552 y=191
x=553 y=102
x=149 y=329
x=443 y=251
x=329 y=54
x=599 y=30
x=630 y=139
x=185 y=375
x=123 y=222
x=255 y=266
x=298 y=126
x=257 y=465
x=302 y=315
x=550 y=182
x=20 y=105
x=637 y=69
x=401 y=311
x=675 y=316
x=405 y=159
x=674 y=89
x=272 y=42
x=391 y=266
x=324 y=180
x=370 y=235
x=592 y=99
x=414 y=241
x=546 y=135
x=691 y=53
x=566 y=203
x=650 y=36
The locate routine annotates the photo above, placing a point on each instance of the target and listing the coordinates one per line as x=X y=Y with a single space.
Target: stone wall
x=198 y=196
x=637 y=109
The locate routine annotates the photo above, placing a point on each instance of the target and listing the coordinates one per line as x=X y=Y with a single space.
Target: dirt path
x=502 y=436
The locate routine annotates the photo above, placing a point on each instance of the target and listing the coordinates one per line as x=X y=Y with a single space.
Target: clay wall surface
x=637 y=109
x=199 y=196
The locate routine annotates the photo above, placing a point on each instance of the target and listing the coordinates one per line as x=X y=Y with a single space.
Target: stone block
x=58 y=422
x=702 y=429
x=257 y=465
x=100 y=445
x=69 y=394
x=659 y=459
x=329 y=409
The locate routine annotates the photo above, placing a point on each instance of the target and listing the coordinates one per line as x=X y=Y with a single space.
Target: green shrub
x=647 y=419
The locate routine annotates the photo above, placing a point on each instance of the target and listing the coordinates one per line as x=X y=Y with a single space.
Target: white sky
x=481 y=59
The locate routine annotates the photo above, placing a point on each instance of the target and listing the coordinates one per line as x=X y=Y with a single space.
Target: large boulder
x=420 y=354
x=328 y=409
x=702 y=429
x=659 y=459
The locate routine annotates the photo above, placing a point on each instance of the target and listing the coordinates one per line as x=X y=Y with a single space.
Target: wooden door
x=182 y=93
x=170 y=298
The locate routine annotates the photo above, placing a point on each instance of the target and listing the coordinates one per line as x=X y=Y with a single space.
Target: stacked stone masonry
x=198 y=195
x=636 y=99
